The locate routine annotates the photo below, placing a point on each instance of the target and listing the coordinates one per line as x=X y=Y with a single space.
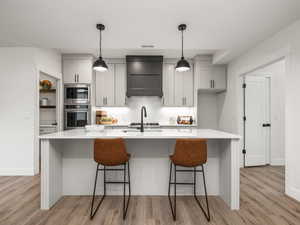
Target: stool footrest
x=116 y=182
x=111 y=169
x=182 y=183
x=189 y=170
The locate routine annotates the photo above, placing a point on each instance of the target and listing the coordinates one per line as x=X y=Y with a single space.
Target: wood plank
x=262 y=203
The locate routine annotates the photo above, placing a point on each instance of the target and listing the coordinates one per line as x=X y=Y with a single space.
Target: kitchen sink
x=145 y=130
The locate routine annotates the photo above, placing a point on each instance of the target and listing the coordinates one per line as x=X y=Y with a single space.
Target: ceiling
x=229 y=27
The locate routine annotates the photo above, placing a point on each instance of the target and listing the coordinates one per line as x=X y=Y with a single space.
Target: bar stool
x=189 y=153
x=111 y=152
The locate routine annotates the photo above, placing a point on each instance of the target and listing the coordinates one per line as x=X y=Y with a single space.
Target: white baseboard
x=293 y=193
x=16 y=171
x=278 y=162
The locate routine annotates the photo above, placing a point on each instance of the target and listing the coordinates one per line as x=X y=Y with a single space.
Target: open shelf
x=47 y=106
x=47 y=90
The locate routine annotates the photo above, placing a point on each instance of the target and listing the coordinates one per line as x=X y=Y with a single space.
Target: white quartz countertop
x=155 y=134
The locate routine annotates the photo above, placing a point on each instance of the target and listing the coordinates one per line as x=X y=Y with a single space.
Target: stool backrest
x=110 y=151
x=191 y=152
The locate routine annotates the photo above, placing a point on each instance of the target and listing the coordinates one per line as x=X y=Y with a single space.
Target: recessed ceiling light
x=147 y=46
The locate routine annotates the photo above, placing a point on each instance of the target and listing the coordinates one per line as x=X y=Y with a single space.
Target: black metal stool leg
x=206 y=214
x=169 y=192
x=125 y=205
x=94 y=193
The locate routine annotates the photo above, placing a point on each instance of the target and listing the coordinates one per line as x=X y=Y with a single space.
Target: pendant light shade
x=99 y=64
x=182 y=65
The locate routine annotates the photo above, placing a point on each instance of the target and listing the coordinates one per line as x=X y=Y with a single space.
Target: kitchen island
x=68 y=168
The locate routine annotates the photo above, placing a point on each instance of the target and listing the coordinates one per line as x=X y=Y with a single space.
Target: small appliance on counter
x=185 y=120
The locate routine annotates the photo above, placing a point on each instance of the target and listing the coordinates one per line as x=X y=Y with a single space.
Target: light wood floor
x=262 y=202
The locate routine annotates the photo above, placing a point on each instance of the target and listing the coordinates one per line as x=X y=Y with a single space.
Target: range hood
x=144 y=75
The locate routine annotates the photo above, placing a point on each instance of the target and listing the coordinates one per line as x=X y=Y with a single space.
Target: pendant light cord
x=100 y=44
x=182 y=44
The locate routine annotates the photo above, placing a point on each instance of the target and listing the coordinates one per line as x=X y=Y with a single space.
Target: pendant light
x=99 y=64
x=182 y=64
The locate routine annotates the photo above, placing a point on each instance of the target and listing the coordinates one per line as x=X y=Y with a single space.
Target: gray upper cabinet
x=111 y=86
x=178 y=87
x=77 y=69
x=209 y=77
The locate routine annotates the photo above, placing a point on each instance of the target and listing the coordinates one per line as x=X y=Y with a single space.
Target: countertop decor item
x=45 y=84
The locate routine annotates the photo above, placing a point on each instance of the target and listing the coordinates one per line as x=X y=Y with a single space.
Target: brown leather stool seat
x=109 y=153
x=189 y=153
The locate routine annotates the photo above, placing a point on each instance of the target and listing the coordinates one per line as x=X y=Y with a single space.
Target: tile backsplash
x=156 y=112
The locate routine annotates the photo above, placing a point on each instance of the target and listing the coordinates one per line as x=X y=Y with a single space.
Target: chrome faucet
x=143 y=113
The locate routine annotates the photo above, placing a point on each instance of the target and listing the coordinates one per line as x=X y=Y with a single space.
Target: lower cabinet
x=111 y=86
x=178 y=87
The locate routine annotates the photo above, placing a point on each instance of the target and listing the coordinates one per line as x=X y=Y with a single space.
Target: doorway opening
x=263 y=116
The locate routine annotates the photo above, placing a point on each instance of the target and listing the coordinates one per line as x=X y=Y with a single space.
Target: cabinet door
x=219 y=77
x=120 y=84
x=77 y=70
x=168 y=84
x=84 y=71
x=188 y=87
x=178 y=89
x=70 y=69
x=205 y=77
x=105 y=87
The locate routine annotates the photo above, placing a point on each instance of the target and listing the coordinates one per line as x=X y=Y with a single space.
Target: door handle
x=75 y=78
x=266 y=125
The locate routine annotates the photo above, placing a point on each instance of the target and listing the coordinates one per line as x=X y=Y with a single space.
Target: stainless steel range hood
x=144 y=75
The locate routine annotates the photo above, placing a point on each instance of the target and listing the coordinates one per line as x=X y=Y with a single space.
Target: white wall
x=19 y=106
x=49 y=61
x=17 y=102
x=207 y=111
x=283 y=44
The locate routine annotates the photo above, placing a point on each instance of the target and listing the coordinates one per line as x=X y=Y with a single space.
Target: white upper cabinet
x=105 y=82
x=120 y=84
x=111 y=86
x=77 y=69
x=178 y=87
x=219 y=77
x=210 y=77
x=168 y=84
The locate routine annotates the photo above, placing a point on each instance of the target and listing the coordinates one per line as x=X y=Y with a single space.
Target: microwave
x=77 y=94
